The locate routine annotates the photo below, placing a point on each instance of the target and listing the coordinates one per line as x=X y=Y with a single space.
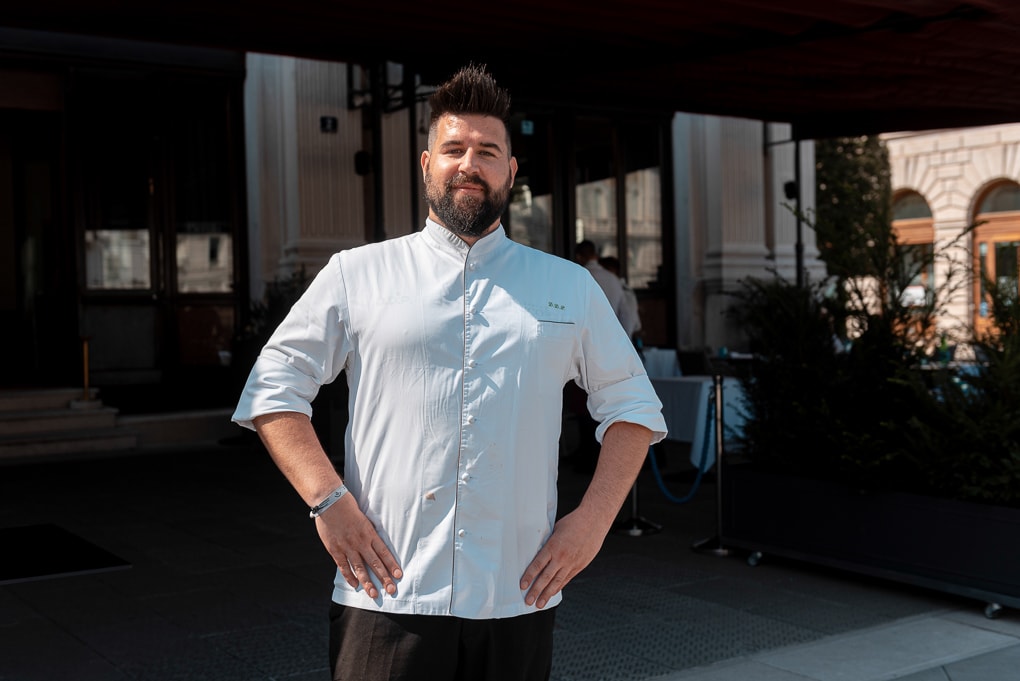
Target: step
x=41 y=398
x=18 y=448
x=56 y=420
x=134 y=434
x=175 y=428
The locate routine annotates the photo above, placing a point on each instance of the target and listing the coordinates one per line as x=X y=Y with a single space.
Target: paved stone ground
x=228 y=581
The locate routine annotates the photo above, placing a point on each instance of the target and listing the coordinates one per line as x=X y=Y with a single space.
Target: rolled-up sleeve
x=613 y=375
x=307 y=350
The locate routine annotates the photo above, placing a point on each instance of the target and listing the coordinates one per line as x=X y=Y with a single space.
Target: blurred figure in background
x=629 y=316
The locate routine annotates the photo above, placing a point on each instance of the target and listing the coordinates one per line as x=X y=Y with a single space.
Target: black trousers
x=365 y=645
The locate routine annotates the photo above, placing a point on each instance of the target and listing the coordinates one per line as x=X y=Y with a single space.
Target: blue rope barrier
x=701 y=464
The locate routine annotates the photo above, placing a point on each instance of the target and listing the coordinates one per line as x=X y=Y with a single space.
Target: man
x=587 y=255
x=629 y=315
x=456 y=343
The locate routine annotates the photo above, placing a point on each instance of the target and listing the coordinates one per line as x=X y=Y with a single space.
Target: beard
x=469 y=216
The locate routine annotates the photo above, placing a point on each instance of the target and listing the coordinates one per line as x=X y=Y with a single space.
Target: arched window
x=910 y=206
x=1003 y=198
x=996 y=249
x=915 y=234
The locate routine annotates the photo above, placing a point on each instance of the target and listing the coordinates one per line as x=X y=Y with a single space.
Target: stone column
x=305 y=199
x=733 y=222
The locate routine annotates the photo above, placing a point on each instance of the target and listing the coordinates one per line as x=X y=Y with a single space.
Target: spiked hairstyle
x=472 y=90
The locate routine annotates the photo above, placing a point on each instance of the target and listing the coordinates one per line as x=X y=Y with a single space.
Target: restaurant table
x=690 y=416
x=688 y=409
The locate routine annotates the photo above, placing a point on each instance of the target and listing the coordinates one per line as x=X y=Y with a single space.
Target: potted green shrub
x=874 y=455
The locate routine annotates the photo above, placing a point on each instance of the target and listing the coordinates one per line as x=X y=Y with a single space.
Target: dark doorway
x=156 y=169
x=38 y=312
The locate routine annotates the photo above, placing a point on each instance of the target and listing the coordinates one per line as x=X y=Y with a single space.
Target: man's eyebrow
x=460 y=143
x=492 y=145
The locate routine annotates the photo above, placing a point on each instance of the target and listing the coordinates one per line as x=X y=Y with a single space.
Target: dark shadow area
x=43 y=551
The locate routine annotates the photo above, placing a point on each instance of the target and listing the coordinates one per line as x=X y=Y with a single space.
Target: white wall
x=731 y=221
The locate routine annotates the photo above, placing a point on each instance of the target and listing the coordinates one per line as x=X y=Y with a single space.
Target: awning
x=830 y=68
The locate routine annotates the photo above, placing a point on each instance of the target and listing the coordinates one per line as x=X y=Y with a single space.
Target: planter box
x=956 y=547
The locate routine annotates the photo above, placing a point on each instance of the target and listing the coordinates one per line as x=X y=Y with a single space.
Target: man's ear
x=513 y=169
x=424 y=162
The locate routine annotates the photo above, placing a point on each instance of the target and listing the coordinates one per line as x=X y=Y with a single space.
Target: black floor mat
x=44 y=551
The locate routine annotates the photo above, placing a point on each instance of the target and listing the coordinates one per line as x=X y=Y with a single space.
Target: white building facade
x=958 y=191
x=694 y=217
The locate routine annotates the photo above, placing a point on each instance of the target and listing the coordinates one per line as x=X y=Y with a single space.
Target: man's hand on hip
x=578 y=536
x=356 y=547
x=571 y=547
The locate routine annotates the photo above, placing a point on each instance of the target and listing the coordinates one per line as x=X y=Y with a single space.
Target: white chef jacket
x=456 y=358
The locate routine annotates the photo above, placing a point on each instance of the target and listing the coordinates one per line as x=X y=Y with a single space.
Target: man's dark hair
x=586 y=249
x=472 y=90
x=611 y=263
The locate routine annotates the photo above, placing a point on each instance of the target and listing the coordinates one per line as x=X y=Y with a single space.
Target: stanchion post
x=86 y=393
x=714 y=545
x=636 y=526
x=86 y=401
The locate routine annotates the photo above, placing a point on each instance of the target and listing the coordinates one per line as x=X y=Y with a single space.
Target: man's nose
x=468 y=160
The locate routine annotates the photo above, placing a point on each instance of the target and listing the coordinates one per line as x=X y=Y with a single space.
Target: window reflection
x=644 y=227
x=915 y=238
x=997 y=239
x=202 y=209
x=919 y=273
x=1006 y=269
x=595 y=173
x=596 y=214
x=117 y=259
x=531 y=201
x=531 y=218
x=204 y=258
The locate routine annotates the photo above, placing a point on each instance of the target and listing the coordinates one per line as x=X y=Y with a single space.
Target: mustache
x=464 y=178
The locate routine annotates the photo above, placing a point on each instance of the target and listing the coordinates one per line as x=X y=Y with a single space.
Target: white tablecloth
x=661 y=362
x=685 y=406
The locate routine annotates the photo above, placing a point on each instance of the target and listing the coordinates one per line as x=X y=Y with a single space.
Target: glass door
x=597 y=178
x=596 y=200
x=160 y=186
x=115 y=142
x=531 y=217
x=202 y=187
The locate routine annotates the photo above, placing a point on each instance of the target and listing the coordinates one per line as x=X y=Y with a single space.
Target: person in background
x=587 y=255
x=586 y=452
x=629 y=315
x=456 y=343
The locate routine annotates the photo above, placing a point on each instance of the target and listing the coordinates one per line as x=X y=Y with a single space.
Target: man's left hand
x=571 y=547
x=578 y=536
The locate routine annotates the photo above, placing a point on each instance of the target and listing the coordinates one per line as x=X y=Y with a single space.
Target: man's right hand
x=356 y=547
x=346 y=532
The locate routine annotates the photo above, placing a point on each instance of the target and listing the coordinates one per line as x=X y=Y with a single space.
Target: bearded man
x=456 y=343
